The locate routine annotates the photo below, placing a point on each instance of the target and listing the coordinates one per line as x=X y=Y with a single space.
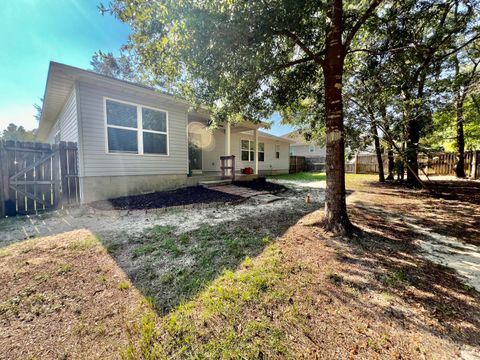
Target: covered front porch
x=206 y=146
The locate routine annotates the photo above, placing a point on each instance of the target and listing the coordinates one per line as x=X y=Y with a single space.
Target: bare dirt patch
x=442 y=224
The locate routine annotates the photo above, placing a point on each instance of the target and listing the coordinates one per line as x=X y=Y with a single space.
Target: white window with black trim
x=248 y=150
x=135 y=129
x=277 y=151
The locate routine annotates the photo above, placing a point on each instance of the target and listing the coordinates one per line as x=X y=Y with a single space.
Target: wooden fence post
x=356 y=163
x=56 y=175
x=63 y=171
x=473 y=172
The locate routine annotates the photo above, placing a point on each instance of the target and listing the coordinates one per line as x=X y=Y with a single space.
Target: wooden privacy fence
x=297 y=164
x=37 y=177
x=365 y=164
x=433 y=164
x=445 y=164
x=316 y=163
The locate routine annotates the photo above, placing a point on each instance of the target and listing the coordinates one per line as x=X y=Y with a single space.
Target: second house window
x=136 y=129
x=248 y=150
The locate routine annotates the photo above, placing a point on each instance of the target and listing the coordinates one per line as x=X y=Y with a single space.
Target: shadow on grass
x=170 y=268
x=379 y=280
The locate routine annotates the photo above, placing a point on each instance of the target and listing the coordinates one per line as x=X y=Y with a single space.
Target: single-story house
x=301 y=147
x=313 y=153
x=134 y=139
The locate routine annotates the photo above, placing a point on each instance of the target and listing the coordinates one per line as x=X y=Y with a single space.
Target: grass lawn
x=273 y=285
x=301 y=176
x=351 y=179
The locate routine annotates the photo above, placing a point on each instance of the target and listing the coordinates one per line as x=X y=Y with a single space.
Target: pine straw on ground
x=311 y=295
x=63 y=297
x=306 y=295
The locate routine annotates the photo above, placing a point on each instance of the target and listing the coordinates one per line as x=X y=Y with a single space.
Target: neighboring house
x=133 y=139
x=314 y=154
x=301 y=147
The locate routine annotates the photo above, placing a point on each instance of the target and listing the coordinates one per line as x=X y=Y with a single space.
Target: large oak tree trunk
x=460 y=169
x=378 y=152
x=336 y=218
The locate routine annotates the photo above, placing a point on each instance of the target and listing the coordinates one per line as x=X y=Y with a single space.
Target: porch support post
x=228 y=149
x=255 y=132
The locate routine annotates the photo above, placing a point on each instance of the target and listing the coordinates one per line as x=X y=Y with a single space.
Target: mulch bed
x=179 y=197
x=261 y=184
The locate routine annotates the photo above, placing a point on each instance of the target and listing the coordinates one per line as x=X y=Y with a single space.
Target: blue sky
x=34 y=32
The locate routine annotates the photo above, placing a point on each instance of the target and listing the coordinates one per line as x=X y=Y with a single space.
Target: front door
x=195 y=152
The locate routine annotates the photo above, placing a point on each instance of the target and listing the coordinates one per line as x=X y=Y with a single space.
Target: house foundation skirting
x=273 y=172
x=93 y=188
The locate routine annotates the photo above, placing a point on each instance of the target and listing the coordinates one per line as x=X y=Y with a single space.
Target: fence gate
x=37 y=177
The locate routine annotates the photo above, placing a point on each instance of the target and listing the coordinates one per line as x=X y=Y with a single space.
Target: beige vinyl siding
x=211 y=153
x=66 y=122
x=96 y=160
x=270 y=163
x=304 y=150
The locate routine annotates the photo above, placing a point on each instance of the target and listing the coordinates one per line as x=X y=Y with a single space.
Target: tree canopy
x=248 y=59
x=17 y=133
x=121 y=67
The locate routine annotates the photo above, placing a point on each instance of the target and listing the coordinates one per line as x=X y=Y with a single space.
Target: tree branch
x=469 y=79
x=391 y=50
x=475 y=102
x=314 y=56
x=293 y=63
x=368 y=13
x=461 y=46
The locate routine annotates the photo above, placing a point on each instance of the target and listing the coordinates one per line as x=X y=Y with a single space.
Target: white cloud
x=19 y=114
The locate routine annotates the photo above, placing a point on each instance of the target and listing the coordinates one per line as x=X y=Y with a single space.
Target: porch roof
x=244 y=126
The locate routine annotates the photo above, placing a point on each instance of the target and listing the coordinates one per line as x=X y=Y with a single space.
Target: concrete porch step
x=214 y=183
